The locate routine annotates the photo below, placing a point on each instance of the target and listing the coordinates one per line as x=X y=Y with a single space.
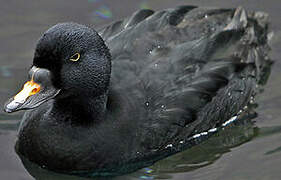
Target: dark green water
x=244 y=150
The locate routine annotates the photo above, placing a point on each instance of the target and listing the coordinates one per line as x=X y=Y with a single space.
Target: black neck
x=81 y=109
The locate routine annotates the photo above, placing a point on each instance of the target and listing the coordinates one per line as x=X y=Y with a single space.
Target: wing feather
x=177 y=67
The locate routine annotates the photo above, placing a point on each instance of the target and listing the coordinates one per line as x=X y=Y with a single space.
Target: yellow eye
x=75 y=57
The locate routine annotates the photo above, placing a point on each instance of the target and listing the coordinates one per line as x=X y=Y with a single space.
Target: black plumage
x=171 y=75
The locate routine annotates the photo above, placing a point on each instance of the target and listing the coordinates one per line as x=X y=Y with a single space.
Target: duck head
x=69 y=60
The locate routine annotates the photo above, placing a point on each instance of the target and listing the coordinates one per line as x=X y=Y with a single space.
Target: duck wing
x=179 y=72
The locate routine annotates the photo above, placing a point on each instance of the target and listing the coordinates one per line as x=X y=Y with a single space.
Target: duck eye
x=75 y=57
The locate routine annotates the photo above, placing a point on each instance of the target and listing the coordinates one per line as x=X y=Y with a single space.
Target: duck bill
x=31 y=96
x=30 y=88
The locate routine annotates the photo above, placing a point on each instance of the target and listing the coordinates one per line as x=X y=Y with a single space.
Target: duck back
x=183 y=71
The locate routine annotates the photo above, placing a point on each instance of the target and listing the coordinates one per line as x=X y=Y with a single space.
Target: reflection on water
x=8 y=122
x=243 y=150
x=104 y=12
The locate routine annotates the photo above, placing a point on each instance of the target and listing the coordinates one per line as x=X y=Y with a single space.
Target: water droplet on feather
x=147 y=104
